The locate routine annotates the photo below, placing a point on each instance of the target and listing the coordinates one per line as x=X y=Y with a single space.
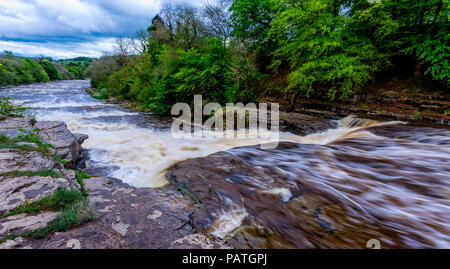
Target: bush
x=51 y=70
x=76 y=71
x=37 y=71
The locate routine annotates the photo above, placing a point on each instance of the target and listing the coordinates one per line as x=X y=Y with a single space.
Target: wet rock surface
x=304 y=124
x=67 y=144
x=335 y=195
x=23 y=158
x=338 y=195
x=10 y=127
x=126 y=217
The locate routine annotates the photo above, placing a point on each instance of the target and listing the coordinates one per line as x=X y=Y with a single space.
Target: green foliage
x=72 y=216
x=319 y=48
x=81 y=176
x=31 y=136
x=425 y=33
x=76 y=66
x=64 y=74
x=164 y=76
x=16 y=70
x=42 y=173
x=11 y=143
x=37 y=71
x=101 y=69
x=325 y=48
x=251 y=20
x=51 y=70
x=76 y=71
x=8 y=108
x=99 y=94
x=54 y=202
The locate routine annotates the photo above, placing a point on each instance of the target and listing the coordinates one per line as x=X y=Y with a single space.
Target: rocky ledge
x=31 y=170
x=39 y=159
x=36 y=162
x=21 y=158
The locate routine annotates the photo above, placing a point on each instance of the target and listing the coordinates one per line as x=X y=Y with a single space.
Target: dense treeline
x=17 y=70
x=237 y=51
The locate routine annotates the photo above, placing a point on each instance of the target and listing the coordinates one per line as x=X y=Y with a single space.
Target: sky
x=70 y=28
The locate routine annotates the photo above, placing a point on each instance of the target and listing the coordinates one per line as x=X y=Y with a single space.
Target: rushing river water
x=388 y=179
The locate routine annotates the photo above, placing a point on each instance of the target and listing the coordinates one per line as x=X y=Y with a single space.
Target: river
x=393 y=175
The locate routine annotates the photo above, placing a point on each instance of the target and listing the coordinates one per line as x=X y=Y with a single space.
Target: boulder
x=10 y=244
x=67 y=144
x=303 y=124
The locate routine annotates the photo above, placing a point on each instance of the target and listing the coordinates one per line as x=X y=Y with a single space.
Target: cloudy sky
x=70 y=28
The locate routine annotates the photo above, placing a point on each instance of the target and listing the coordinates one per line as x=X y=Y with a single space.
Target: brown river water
x=366 y=179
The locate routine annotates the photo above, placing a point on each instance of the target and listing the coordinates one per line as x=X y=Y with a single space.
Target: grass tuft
x=54 y=202
x=75 y=210
x=81 y=176
x=42 y=173
x=188 y=194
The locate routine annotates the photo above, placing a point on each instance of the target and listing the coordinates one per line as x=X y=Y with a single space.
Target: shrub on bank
x=17 y=70
x=51 y=70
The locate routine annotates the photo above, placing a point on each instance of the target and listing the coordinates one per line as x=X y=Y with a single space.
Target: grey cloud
x=58 y=26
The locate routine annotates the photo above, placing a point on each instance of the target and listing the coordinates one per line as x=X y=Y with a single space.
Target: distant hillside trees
x=19 y=70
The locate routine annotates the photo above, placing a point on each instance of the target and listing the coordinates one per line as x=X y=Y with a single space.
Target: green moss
x=31 y=137
x=59 y=159
x=188 y=194
x=80 y=177
x=42 y=173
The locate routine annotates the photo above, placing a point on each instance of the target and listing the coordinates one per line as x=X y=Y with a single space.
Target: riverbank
x=401 y=99
x=114 y=214
x=332 y=189
x=405 y=99
x=41 y=191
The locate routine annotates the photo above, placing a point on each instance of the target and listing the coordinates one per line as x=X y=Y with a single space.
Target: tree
x=323 y=50
x=190 y=28
x=50 y=69
x=424 y=32
x=251 y=20
x=140 y=41
x=218 y=19
x=251 y=24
